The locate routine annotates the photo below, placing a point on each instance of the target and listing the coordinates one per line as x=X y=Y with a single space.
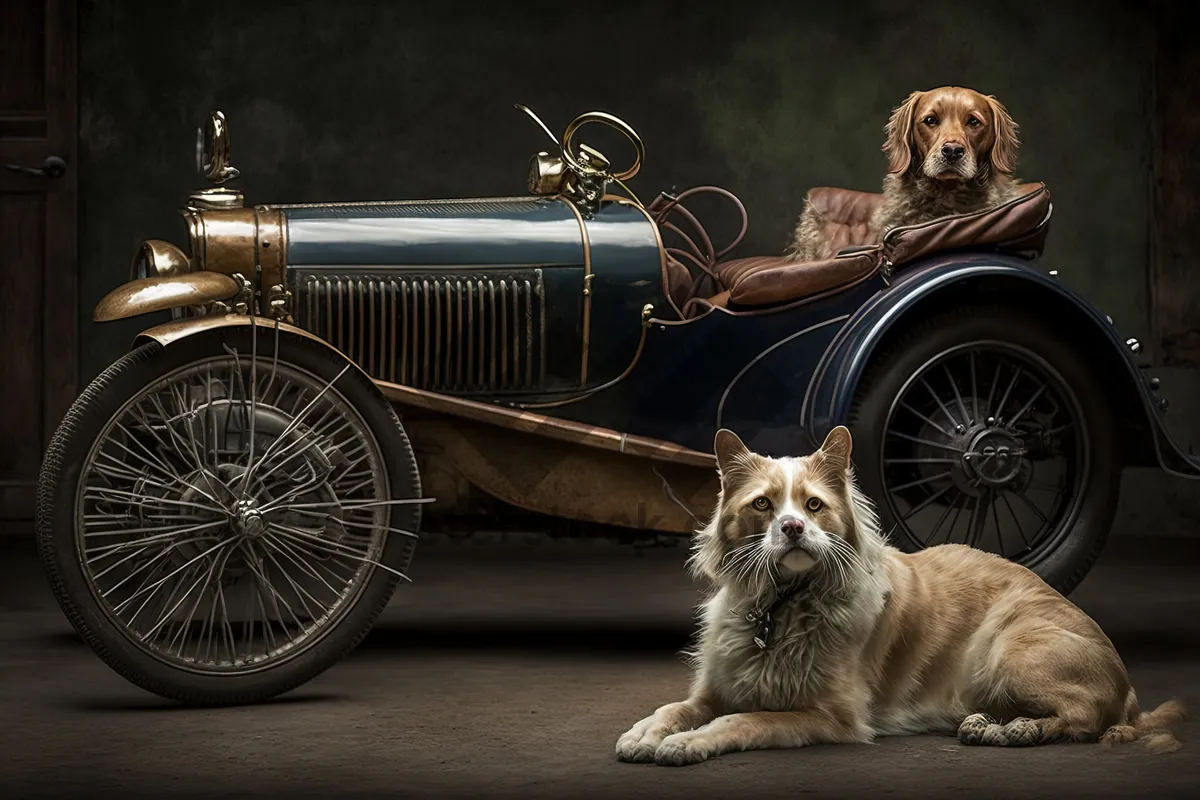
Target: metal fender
x=168 y=333
x=161 y=293
x=941 y=284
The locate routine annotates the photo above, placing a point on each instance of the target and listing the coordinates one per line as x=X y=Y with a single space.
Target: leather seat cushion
x=1019 y=224
x=766 y=280
x=845 y=217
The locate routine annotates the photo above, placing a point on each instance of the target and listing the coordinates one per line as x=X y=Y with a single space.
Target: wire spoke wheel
x=983 y=425
x=229 y=511
x=983 y=448
x=236 y=509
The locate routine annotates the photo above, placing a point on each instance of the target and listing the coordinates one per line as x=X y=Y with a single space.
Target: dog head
x=951 y=134
x=780 y=519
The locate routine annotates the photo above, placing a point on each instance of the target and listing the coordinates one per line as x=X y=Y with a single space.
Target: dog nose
x=792 y=528
x=952 y=151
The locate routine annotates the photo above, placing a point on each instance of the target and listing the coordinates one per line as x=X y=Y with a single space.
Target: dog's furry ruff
x=807 y=243
x=878 y=642
x=913 y=198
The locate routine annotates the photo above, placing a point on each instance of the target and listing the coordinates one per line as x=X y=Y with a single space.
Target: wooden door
x=38 y=297
x=1174 y=290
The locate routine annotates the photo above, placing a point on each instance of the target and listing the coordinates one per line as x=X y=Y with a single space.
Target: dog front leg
x=640 y=742
x=760 y=730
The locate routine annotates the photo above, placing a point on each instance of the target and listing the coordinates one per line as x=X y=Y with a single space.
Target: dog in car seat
x=950 y=150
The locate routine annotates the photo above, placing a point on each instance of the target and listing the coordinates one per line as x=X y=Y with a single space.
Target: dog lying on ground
x=820 y=632
x=950 y=150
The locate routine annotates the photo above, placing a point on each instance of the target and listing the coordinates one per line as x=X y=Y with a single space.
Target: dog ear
x=731 y=453
x=1004 y=148
x=898 y=140
x=837 y=446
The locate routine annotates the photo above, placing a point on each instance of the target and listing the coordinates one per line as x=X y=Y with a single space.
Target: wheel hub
x=247 y=519
x=994 y=456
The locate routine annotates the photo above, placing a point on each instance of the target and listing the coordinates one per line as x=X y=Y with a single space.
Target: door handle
x=52 y=167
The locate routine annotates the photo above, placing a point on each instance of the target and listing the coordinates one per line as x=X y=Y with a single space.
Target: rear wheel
x=984 y=427
x=223 y=519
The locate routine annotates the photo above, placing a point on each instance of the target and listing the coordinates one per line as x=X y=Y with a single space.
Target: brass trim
x=147 y=295
x=538 y=424
x=613 y=122
x=218 y=198
x=587 y=292
x=250 y=241
x=162 y=259
x=647 y=316
x=195 y=224
x=271 y=246
x=176 y=330
x=227 y=241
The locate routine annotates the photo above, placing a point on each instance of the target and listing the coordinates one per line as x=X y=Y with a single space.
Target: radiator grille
x=484 y=331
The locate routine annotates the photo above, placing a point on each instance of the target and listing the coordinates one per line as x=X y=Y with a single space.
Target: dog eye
x=762 y=503
x=973 y=122
x=930 y=120
x=814 y=504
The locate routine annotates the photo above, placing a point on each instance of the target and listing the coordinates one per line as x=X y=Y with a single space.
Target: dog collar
x=763 y=617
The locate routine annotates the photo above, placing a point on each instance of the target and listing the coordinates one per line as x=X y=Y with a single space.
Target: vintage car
x=226 y=510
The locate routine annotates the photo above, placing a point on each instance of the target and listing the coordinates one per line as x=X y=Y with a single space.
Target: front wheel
x=985 y=427
x=223 y=519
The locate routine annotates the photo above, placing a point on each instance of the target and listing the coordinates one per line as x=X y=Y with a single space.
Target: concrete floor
x=511 y=672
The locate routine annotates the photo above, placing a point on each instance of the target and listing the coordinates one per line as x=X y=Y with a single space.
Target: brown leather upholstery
x=766 y=280
x=845 y=217
x=1018 y=225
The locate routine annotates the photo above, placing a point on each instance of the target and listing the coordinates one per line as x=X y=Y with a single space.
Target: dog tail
x=1155 y=729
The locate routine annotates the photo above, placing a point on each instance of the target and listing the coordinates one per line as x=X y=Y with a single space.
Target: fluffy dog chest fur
x=807 y=634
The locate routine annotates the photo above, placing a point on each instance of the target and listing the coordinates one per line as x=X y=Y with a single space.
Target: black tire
x=62 y=545
x=1072 y=537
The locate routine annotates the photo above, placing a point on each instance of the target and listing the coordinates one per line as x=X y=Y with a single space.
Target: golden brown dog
x=950 y=150
x=820 y=632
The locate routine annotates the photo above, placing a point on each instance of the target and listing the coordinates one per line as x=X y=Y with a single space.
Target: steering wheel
x=591 y=162
x=591 y=156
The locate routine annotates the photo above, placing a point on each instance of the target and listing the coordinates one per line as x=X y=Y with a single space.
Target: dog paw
x=637 y=745
x=973 y=728
x=679 y=750
x=1020 y=732
x=635 y=750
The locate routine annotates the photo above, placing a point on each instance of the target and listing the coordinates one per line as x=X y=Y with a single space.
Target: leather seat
x=766 y=280
x=845 y=218
x=851 y=250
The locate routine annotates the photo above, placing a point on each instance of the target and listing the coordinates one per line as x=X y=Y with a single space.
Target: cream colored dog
x=821 y=632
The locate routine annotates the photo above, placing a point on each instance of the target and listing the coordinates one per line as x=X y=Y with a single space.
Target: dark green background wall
x=361 y=100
